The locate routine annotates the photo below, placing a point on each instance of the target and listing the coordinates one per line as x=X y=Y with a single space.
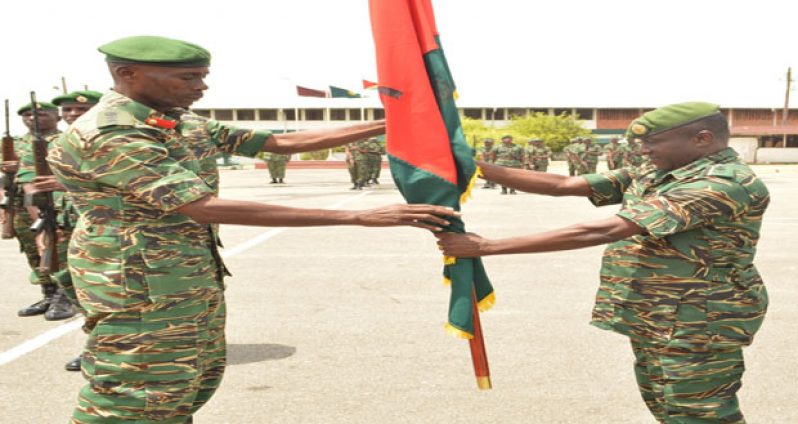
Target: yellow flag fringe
x=457 y=332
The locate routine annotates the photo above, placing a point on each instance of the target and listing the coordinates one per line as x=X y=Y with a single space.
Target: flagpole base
x=484 y=383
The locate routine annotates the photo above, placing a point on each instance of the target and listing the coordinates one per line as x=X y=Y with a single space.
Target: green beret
x=39 y=105
x=670 y=117
x=82 y=96
x=152 y=50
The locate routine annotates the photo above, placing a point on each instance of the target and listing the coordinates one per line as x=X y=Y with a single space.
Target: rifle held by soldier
x=7 y=182
x=46 y=224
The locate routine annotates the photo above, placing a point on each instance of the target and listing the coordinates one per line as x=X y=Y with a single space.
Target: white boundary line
x=63 y=329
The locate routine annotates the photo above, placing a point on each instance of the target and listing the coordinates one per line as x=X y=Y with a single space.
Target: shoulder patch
x=723 y=171
x=115 y=117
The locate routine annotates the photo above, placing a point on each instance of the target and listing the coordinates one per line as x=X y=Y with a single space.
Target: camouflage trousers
x=362 y=171
x=592 y=167
x=27 y=245
x=158 y=365
x=375 y=166
x=276 y=169
x=684 y=387
x=540 y=166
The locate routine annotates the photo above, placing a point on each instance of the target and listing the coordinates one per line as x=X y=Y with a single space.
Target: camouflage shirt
x=485 y=154
x=512 y=156
x=536 y=154
x=128 y=168
x=690 y=280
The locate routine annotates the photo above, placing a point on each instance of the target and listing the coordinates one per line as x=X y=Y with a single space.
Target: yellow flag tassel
x=467 y=193
x=447 y=282
x=449 y=260
x=487 y=302
x=458 y=332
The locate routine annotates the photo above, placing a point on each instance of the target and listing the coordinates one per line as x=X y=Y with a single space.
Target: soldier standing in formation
x=538 y=155
x=614 y=152
x=374 y=152
x=633 y=155
x=73 y=105
x=485 y=154
x=508 y=155
x=144 y=260
x=55 y=305
x=361 y=158
x=277 y=164
x=573 y=154
x=591 y=155
x=678 y=276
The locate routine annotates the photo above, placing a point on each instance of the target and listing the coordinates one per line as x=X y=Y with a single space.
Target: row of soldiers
x=364 y=161
x=23 y=193
x=583 y=155
x=535 y=157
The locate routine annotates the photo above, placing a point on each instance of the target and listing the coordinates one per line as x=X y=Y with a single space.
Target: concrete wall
x=777 y=155
x=746 y=147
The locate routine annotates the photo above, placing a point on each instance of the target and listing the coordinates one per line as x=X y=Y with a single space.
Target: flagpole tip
x=484 y=383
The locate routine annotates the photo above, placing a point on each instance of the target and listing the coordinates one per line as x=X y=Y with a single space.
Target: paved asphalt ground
x=345 y=325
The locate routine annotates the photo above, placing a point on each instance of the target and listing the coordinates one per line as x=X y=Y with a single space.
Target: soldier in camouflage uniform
x=573 y=154
x=277 y=164
x=72 y=105
x=633 y=156
x=361 y=158
x=537 y=155
x=55 y=305
x=614 y=152
x=351 y=165
x=591 y=155
x=678 y=276
x=508 y=155
x=374 y=152
x=485 y=153
x=143 y=259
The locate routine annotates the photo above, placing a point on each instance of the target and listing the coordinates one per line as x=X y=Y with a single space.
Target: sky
x=556 y=53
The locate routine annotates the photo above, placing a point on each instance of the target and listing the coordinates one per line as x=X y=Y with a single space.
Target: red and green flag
x=427 y=151
x=338 y=92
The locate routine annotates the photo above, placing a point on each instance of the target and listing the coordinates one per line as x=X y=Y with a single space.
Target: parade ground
x=345 y=324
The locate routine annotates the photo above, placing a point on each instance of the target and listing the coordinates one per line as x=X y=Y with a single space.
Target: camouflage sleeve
x=26 y=171
x=237 y=141
x=688 y=206
x=607 y=188
x=140 y=165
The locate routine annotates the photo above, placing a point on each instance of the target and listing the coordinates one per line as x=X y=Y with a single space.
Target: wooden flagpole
x=478 y=354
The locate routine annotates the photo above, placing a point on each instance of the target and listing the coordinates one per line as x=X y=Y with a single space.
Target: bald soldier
x=143 y=257
x=678 y=276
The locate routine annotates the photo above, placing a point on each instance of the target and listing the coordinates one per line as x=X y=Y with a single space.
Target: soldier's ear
x=704 y=138
x=123 y=72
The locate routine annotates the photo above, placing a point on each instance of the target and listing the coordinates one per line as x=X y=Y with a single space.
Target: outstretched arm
x=574 y=237
x=310 y=140
x=536 y=182
x=211 y=209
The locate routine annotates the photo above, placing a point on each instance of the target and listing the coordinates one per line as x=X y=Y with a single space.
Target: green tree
x=555 y=130
x=475 y=131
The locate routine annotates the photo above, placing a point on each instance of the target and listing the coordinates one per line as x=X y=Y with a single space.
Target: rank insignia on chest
x=161 y=123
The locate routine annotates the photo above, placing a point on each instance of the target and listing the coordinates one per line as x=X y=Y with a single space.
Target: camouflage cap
x=39 y=105
x=82 y=96
x=670 y=117
x=154 y=50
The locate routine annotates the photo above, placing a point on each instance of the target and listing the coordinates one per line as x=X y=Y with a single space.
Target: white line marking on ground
x=60 y=331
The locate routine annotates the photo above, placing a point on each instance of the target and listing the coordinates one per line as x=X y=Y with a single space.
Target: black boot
x=273 y=181
x=374 y=180
x=60 y=308
x=40 y=307
x=281 y=181
x=512 y=191
x=504 y=190
x=355 y=187
x=73 y=365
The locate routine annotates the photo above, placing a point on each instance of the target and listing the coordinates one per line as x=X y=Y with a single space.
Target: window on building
x=338 y=114
x=314 y=114
x=290 y=114
x=223 y=114
x=558 y=112
x=496 y=114
x=203 y=112
x=584 y=114
x=267 y=114
x=379 y=114
x=472 y=113
x=245 y=114
x=543 y=111
x=355 y=115
x=516 y=112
